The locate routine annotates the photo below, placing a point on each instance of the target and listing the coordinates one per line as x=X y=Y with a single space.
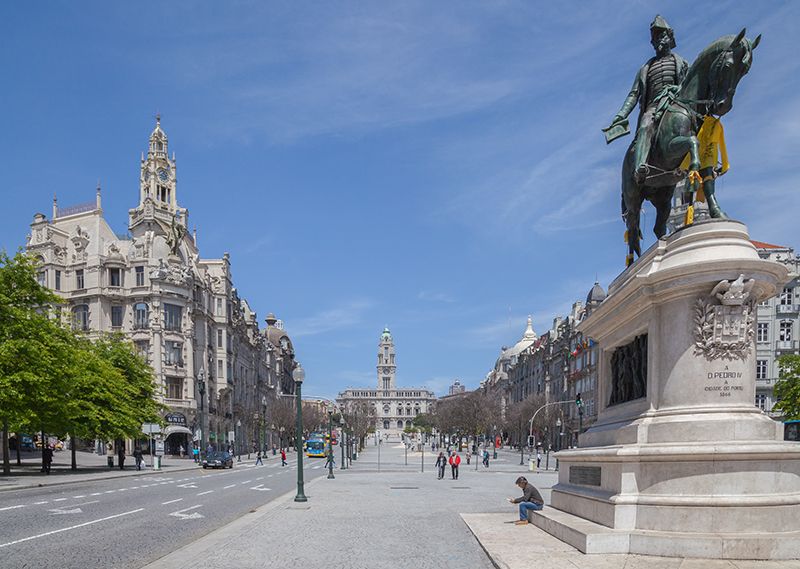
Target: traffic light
x=578 y=401
x=531 y=440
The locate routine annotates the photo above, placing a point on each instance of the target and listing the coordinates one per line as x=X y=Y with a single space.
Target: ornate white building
x=394 y=407
x=182 y=312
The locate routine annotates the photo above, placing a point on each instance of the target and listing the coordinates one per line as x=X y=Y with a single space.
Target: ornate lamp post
x=494 y=442
x=201 y=388
x=238 y=442
x=263 y=425
x=342 y=444
x=330 y=444
x=281 y=436
x=299 y=375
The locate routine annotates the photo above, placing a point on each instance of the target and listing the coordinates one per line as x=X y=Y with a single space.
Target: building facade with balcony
x=394 y=407
x=777 y=324
x=182 y=312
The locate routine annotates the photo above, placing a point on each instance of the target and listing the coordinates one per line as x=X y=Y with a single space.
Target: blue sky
x=437 y=167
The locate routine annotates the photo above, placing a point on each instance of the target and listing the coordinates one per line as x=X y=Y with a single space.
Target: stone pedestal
x=680 y=461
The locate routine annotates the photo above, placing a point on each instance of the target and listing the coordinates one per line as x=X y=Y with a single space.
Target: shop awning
x=171 y=429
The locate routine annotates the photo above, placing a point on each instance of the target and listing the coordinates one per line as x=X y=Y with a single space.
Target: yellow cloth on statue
x=711 y=142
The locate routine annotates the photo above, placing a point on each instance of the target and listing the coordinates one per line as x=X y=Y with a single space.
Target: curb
x=99 y=478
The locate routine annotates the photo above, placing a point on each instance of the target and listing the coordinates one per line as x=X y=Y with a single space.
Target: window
x=391 y=358
x=41 y=278
x=141 y=316
x=416 y=411
x=786 y=296
x=173 y=355
x=58 y=280
x=139 y=276
x=386 y=410
x=785 y=331
x=761 y=369
x=79 y=283
x=142 y=347
x=219 y=338
x=219 y=307
x=80 y=317
x=117 y=312
x=174 y=388
x=761 y=401
x=114 y=277
x=172 y=317
x=399 y=410
x=386 y=383
x=386 y=424
x=762 y=332
x=229 y=370
x=399 y=424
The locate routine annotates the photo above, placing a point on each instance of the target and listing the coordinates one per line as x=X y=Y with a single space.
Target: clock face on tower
x=163 y=174
x=387 y=370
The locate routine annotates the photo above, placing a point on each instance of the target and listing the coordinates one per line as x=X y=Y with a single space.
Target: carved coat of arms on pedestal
x=726 y=330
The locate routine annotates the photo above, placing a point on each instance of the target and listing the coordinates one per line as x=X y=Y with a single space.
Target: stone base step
x=589 y=537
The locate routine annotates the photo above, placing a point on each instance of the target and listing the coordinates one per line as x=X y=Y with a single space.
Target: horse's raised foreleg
x=632 y=197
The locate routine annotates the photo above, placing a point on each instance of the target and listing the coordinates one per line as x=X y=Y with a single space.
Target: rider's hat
x=658 y=24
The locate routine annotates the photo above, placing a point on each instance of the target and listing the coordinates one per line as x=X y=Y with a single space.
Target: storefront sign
x=176 y=419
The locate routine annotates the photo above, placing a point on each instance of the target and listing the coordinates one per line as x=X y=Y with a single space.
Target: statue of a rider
x=661 y=73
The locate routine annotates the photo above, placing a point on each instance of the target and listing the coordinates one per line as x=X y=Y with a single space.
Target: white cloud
x=435 y=296
x=347 y=315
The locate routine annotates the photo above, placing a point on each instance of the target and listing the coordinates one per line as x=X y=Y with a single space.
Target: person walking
x=469 y=455
x=121 y=455
x=531 y=499
x=486 y=458
x=538 y=458
x=258 y=459
x=283 y=457
x=441 y=463
x=137 y=457
x=47 y=458
x=196 y=454
x=455 y=461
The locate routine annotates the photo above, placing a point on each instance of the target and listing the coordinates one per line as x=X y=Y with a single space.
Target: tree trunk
x=73 y=452
x=19 y=443
x=6 y=457
x=43 y=446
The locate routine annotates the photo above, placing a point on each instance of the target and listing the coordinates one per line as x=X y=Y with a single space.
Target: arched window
x=386 y=410
x=80 y=317
x=386 y=424
x=141 y=316
x=399 y=424
x=399 y=410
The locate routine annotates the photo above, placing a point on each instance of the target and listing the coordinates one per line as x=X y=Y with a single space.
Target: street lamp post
x=558 y=440
x=299 y=375
x=494 y=442
x=330 y=444
x=342 y=444
x=201 y=388
x=238 y=441
x=263 y=440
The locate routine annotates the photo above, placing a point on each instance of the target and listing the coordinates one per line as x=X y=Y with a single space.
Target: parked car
x=27 y=443
x=218 y=460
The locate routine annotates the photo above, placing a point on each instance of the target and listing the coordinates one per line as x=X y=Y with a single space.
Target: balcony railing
x=781 y=309
x=786 y=345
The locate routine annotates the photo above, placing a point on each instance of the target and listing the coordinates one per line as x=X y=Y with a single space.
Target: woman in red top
x=283 y=457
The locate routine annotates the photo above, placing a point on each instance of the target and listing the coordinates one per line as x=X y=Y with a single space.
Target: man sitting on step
x=530 y=500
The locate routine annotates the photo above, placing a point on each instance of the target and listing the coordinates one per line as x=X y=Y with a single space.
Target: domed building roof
x=276 y=335
x=386 y=335
x=527 y=340
x=596 y=295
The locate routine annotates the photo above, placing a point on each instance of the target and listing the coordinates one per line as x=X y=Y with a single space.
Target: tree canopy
x=787 y=388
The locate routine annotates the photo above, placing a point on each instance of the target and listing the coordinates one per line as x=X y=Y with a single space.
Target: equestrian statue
x=678 y=136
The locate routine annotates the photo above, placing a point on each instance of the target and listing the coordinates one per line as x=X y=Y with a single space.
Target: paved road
x=126 y=523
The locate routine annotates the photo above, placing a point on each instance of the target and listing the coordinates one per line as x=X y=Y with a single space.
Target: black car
x=218 y=460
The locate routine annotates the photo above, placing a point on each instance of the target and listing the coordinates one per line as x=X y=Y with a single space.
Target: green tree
x=787 y=388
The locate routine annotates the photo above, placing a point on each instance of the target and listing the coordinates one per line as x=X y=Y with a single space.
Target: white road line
x=123 y=489
x=260 y=478
x=38 y=503
x=2 y=545
x=12 y=507
x=206 y=492
x=95 y=493
x=229 y=486
x=133 y=488
x=171 y=501
x=60 y=499
x=246 y=482
x=81 y=496
x=109 y=491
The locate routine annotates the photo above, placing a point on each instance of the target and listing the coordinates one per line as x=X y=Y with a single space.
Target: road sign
x=151 y=428
x=159 y=448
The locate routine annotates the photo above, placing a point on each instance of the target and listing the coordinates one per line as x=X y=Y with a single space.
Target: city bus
x=316 y=447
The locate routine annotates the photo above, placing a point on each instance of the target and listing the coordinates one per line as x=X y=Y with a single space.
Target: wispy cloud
x=435 y=296
x=349 y=314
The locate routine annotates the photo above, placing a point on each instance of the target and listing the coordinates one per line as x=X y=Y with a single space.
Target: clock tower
x=386 y=364
x=158 y=200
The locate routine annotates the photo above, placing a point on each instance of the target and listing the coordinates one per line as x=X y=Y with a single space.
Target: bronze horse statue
x=707 y=89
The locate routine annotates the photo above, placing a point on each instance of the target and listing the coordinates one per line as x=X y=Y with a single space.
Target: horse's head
x=730 y=65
